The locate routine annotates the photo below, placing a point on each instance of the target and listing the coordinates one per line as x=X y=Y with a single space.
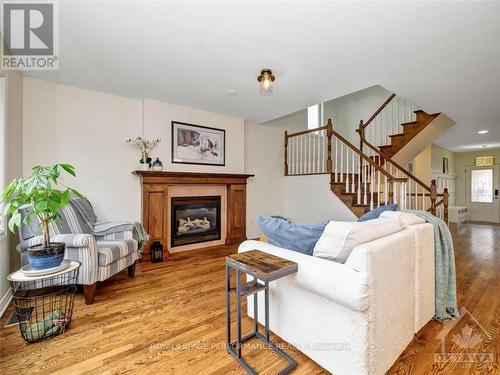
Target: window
x=3 y=152
x=314 y=116
x=481 y=185
x=484 y=161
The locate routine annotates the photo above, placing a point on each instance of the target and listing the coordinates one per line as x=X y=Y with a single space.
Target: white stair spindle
x=353 y=186
x=347 y=152
x=365 y=183
x=341 y=162
x=360 y=161
x=336 y=159
x=372 y=174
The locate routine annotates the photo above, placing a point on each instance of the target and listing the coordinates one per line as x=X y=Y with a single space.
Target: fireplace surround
x=158 y=187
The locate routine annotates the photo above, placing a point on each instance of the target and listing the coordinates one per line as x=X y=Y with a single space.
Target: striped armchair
x=102 y=253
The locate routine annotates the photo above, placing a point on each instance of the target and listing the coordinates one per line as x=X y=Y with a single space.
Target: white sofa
x=356 y=317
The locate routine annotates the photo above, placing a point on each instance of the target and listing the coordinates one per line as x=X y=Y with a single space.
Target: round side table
x=44 y=304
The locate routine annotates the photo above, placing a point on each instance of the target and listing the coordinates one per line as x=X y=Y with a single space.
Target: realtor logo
x=462 y=340
x=30 y=35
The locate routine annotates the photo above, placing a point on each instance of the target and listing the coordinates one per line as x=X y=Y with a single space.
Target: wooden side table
x=264 y=268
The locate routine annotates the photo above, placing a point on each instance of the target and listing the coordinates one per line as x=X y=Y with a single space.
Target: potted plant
x=145 y=146
x=39 y=193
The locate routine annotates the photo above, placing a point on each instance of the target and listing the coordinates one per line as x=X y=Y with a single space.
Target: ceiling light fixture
x=482 y=132
x=232 y=92
x=266 y=80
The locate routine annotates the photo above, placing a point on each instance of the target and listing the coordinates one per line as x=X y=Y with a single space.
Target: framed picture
x=195 y=144
x=445 y=165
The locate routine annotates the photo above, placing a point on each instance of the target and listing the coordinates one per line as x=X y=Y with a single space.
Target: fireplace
x=195 y=219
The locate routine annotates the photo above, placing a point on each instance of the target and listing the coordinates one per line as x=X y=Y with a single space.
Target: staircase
x=367 y=176
x=410 y=130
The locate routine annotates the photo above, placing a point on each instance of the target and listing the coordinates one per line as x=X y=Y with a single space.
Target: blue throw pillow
x=375 y=213
x=291 y=236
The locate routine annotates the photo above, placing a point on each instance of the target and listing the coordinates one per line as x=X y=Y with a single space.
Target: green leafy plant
x=40 y=192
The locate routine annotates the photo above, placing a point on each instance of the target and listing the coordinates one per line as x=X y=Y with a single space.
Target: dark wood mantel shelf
x=155 y=215
x=166 y=177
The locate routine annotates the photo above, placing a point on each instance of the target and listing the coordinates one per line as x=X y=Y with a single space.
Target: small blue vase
x=157 y=165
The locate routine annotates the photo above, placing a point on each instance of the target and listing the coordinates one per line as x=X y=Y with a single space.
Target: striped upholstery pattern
x=100 y=256
x=125 y=235
x=71 y=222
x=111 y=269
x=110 y=251
x=80 y=247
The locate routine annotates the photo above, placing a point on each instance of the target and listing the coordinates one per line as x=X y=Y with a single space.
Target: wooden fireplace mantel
x=155 y=215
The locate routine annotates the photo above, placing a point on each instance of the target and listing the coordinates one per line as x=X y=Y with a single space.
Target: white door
x=482 y=193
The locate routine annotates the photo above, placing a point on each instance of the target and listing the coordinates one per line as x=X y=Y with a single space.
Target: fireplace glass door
x=195 y=219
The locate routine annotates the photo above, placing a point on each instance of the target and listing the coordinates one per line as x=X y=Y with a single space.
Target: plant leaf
x=69 y=169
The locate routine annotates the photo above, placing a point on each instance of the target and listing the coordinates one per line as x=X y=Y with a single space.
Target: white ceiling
x=445 y=57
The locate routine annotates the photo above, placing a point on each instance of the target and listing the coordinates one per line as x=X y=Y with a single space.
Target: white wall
x=346 y=111
x=9 y=259
x=438 y=153
x=157 y=124
x=88 y=129
x=308 y=199
x=292 y=122
x=264 y=158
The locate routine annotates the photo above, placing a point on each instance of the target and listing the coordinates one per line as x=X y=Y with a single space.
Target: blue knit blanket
x=446 y=288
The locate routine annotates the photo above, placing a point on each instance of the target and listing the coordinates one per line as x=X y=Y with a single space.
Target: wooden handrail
x=387 y=159
x=331 y=132
x=379 y=110
x=305 y=132
x=362 y=155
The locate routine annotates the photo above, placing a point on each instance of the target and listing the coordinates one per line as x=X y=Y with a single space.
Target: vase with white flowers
x=145 y=146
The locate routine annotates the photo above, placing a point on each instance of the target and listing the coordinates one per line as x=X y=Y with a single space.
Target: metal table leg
x=266 y=307
x=255 y=311
x=235 y=350
x=228 y=307
x=238 y=313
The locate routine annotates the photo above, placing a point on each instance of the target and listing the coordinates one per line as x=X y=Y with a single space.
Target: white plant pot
x=144 y=166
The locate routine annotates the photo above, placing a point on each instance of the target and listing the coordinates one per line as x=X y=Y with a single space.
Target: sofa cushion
x=109 y=251
x=340 y=237
x=336 y=282
x=291 y=236
x=405 y=218
x=375 y=213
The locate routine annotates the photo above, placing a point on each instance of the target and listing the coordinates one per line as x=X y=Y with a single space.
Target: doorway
x=482 y=193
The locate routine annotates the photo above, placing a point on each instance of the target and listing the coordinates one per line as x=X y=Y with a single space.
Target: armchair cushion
x=109 y=251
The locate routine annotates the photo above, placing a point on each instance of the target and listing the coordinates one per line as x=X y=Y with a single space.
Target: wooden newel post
x=286 y=153
x=445 y=204
x=329 y=134
x=391 y=192
x=361 y=131
x=433 y=197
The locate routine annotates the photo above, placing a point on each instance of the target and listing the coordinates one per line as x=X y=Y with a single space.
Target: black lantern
x=156 y=252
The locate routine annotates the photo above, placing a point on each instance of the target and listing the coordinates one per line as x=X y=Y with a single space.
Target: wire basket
x=44 y=307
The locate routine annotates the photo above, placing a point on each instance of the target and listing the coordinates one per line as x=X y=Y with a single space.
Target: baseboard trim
x=5 y=301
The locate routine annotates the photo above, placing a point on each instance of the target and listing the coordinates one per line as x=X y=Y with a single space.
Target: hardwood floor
x=170 y=320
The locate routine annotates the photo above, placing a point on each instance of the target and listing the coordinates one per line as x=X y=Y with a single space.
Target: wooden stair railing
x=356 y=178
x=362 y=180
x=394 y=124
x=418 y=192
